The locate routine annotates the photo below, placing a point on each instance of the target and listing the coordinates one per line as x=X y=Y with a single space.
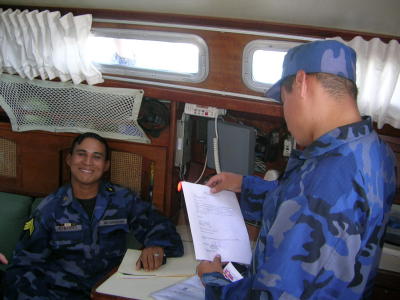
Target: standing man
x=78 y=234
x=323 y=222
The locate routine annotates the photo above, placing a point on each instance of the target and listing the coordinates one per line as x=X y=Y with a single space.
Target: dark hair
x=336 y=86
x=79 y=139
x=287 y=83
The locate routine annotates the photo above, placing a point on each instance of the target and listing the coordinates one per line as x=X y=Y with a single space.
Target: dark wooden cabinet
x=387 y=286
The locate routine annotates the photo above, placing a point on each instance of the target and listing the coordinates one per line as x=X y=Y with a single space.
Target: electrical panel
x=203 y=111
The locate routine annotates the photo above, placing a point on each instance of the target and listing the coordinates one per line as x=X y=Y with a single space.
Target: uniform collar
x=335 y=138
x=105 y=191
x=68 y=195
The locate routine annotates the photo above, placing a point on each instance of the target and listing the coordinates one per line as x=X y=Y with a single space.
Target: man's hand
x=210 y=266
x=225 y=181
x=3 y=259
x=150 y=259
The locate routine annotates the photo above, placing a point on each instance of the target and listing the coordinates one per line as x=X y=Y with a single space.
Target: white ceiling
x=372 y=16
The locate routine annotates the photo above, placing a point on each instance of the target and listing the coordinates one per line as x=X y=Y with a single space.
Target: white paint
x=371 y=16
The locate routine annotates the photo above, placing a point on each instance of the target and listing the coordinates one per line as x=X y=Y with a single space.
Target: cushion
x=35 y=203
x=14 y=212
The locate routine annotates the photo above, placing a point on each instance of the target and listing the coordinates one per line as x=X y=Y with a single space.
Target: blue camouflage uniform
x=63 y=253
x=322 y=225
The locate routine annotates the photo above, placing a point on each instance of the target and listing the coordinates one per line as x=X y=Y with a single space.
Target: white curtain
x=44 y=44
x=378 y=80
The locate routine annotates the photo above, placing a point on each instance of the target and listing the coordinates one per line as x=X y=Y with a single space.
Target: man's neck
x=83 y=191
x=334 y=116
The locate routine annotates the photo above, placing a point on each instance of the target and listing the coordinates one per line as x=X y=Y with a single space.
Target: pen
x=133 y=276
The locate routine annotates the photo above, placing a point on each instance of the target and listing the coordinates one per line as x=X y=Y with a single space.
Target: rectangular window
x=262 y=63
x=149 y=54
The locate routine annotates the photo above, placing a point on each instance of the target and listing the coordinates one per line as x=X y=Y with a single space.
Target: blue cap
x=328 y=56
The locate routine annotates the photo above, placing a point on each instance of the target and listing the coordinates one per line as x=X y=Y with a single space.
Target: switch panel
x=203 y=111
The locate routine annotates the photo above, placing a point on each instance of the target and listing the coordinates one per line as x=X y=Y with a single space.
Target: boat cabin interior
x=174 y=112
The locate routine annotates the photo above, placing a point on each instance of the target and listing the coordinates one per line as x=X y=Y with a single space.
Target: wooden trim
x=267 y=108
x=253 y=25
x=169 y=205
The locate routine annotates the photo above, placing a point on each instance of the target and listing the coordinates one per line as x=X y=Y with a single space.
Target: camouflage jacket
x=322 y=225
x=63 y=253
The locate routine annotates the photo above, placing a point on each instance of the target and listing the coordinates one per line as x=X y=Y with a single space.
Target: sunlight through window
x=160 y=55
x=267 y=66
x=262 y=63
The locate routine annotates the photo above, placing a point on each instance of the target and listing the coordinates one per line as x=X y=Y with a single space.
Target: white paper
x=175 y=266
x=191 y=288
x=390 y=258
x=129 y=283
x=135 y=288
x=217 y=224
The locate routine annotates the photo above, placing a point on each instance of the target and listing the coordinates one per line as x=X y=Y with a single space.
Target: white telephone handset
x=215 y=148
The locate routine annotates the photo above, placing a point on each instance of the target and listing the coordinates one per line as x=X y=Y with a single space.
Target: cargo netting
x=65 y=107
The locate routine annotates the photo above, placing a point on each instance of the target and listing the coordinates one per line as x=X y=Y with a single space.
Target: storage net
x=65 y=107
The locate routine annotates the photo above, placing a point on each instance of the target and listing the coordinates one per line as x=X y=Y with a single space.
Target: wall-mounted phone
x=183 y=136
x=236 y=147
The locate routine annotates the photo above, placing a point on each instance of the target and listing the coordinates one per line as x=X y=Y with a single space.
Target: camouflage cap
x=328 y=56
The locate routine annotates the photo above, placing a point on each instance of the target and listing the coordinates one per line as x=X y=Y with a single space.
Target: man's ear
x=301 y=82
x=68 y=159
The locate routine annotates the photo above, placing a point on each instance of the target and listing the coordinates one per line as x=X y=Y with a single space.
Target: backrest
x=14 y=212
x=33 y=163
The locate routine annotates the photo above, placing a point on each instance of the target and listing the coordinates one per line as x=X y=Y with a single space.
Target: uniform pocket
x=112 y=239
x=67 y=239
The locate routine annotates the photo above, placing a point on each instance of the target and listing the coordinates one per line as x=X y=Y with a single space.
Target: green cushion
x=35 y=203
x=132 y=242
x=14 y=212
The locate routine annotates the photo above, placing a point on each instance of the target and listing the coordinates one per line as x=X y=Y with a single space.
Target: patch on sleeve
x=29 y=226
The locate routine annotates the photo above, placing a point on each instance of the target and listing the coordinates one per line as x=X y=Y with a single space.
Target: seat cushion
x=14 y=212
x=35 y=203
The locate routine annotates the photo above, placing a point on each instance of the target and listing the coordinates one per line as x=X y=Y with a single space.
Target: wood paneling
x=42 y=167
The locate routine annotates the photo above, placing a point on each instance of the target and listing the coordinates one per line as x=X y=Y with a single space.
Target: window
x=149 y=54
x=262 y=63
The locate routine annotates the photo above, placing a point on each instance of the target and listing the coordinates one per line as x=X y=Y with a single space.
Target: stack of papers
x=139 y=284
x=175 y=266
x=191 y=288
x=390 y=258
x=217 y=224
